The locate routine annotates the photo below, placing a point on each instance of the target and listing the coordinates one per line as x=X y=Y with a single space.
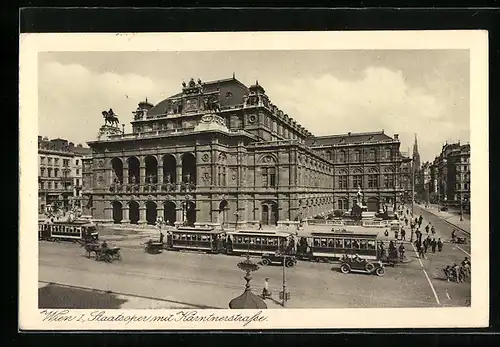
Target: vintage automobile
x=154 y=247
x=356 y=264
x=276 y=258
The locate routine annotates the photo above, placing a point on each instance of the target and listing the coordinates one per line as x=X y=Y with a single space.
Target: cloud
x=71 y=99
x=380 y=99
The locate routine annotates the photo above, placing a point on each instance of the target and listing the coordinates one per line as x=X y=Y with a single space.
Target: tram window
x=355 y=244
x=198 y=237
x=330 y=243
x=362 y=244
x=323 y=242
x=371 y=244
x=339 y=243
x=183 y=237
x=257 y=240
x=240 y=239
x=264 y=241
x=176 y=236
x=347 y=243
x=316 y=242
x=203 y=237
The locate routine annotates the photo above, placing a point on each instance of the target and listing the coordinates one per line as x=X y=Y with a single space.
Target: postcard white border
x=474 y=40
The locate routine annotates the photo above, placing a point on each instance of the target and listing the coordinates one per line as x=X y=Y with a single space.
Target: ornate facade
x=223 y=153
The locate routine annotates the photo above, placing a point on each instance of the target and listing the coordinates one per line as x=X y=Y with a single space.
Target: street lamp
x=284 y=295
x=247 y=300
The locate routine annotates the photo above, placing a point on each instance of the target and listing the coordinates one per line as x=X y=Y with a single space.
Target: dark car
x=273 y=258
x=354 y=264
x=444 y=208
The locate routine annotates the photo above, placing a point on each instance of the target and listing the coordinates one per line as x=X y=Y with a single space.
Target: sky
x=422 y=92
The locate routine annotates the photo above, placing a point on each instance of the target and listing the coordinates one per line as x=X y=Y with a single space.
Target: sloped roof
x=349 y=138
x=231 y=94
x=247 y=300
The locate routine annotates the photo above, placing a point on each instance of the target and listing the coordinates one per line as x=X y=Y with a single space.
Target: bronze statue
x=212 y=104
x=110 y=117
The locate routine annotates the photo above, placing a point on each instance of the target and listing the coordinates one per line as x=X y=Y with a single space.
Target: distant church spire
x=416 y=155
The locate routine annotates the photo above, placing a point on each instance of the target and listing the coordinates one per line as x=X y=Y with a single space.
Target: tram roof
x=252 y=232
x=73 y=223
x=343 y=233
x=208 y=230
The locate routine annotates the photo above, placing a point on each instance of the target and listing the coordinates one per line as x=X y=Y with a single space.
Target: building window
x=77 y=171
x=77 y=162
x=56 y=172
x=268 y=177
x=49 y=184
x=342 y=181
x=357 y=180
x=357 y=155
x=56 y=161
x=372 y=180
x=77 y=182
x=329 y=155
x=388 y=180
x=342 y=156
x=42 y=171
x=49 y=160
x=388 y=154
x=372 y=154
x=49 y=172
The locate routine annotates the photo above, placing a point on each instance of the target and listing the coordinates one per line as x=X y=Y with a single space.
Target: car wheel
x=370 y=267
x=344 y=268
x=380 y=271
x=290 y=263
x=265 y=261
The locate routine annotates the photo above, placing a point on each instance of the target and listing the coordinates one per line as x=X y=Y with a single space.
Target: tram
x=67 y=231
x=196 y=239
x=328 y=245
x=256 y=241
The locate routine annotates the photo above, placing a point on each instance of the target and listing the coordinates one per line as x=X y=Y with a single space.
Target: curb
x=446 y=221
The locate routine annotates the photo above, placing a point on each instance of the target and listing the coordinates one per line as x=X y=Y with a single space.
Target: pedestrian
x=396 y=233
x=406 y=221
x=265 y=290
x=426 y=245
x=420 y=219
x=401 y=251
x=440 y=245
x=427 y=228
x=433 y=230
x=403 y=234
x=433 y=245
x=260 y=225
x=407 y=211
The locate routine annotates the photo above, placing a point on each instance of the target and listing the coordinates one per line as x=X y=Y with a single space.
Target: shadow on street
x=55 y=296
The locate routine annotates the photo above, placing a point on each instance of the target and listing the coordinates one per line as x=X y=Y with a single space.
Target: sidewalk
x=449 y=217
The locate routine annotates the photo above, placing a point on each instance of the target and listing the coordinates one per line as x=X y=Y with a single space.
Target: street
x=195 y=280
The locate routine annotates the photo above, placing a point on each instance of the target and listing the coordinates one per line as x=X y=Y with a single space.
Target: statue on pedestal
x=110 y=117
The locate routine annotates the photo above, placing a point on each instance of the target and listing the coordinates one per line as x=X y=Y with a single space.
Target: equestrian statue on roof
x=110 y=117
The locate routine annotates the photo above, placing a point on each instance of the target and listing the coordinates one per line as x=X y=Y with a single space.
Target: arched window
x=372 y=178
x=372 y=154
x=357 y=179
x=342 y=179
x=388 y=178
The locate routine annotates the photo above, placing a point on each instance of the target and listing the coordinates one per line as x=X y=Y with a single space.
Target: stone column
x=159 y=210
x=179 y=218
x=108 y=214
x=178 y=176
x=125 y=172
x=159 y=174
x=125 y=213
x=142 y=214
x=142 y=171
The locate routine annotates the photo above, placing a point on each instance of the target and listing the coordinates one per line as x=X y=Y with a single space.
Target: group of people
x=392 y=251
x=458 y=273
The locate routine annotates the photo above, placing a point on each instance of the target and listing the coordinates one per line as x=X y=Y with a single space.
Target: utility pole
x=461 y=203
x=284 y=294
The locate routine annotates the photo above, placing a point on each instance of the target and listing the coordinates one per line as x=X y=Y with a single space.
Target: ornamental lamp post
x=247 y=300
